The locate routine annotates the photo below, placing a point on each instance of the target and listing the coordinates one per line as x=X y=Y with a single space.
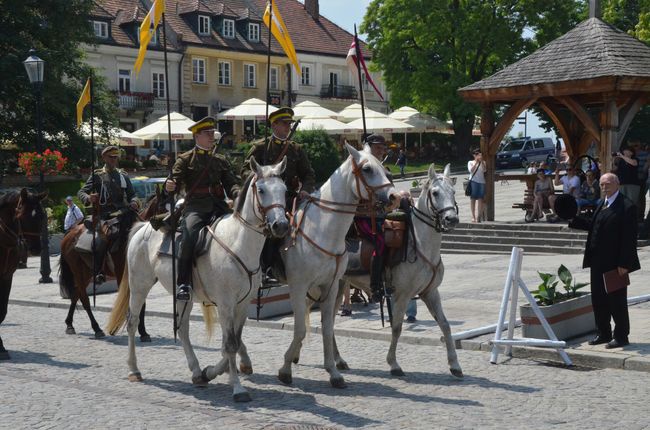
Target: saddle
x=200 y=248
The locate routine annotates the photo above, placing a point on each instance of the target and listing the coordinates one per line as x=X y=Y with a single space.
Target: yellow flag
x=83 y=101
x=281 y=34
x=148 y=27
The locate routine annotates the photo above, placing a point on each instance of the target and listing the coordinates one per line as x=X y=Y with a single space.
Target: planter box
x=415 y=192
x=54 y=242
x=568 y=319
x=274 y=302
x=110 y=286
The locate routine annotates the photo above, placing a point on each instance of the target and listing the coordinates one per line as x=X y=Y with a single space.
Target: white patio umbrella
x=251 y=109
x=329 y=125
x=381 y=125
x=353 y=112
x=314 y=110
x=111 y=135
x=159 y=130
x=421 y=122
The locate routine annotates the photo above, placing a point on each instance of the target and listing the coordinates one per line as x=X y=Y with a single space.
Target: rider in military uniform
x=111 y=189
x=298 y=176
x=206 y=177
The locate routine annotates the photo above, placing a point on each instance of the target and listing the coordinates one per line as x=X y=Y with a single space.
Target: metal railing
x=338 y=91
x=135 y=100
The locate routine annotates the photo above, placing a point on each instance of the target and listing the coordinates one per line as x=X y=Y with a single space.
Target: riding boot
x=98 y=264
x=184 y=280
x=376 y=284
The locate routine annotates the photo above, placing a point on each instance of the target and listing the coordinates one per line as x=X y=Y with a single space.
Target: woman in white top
x=476 y=169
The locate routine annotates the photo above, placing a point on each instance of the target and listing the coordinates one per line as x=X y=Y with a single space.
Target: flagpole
x=170 y=164
x=92 y=175
x=268 y=85
x=357 y=50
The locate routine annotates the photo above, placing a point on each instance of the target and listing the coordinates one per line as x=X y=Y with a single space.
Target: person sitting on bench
x=589 y=191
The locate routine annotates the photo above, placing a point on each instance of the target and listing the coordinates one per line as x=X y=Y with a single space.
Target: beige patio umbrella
x=314 y=110
x=251 y=109
x=180 y=125
x=381 y=125
x=353 y=112
x=110 y=135
x=421 y=122
x=329 y=125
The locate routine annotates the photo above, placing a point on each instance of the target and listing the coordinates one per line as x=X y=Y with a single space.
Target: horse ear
x=24 y=194
x=432 y=171
x=255 y=167
x=366 y=148
x=353 y=152
x=279 y=168
x=447 y=171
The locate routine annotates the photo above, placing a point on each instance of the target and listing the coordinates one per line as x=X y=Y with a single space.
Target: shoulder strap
x=282 y=153
x=473 y=172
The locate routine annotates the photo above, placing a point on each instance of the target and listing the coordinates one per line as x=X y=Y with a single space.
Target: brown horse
x=21 y=219
x=76 y=269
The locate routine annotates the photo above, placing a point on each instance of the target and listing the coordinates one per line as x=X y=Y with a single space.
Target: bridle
x=15 y=236
x=434 y=218
x=260 y=211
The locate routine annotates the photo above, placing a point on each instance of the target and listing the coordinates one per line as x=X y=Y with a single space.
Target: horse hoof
x=397 y=372
x=145 y=338
x=202 y=380
x=242 y=397
x=135 y=377
x=296 y=360
x=457 y=373
x=337 y=382
x=342 y=365
x=70 y=330
x=4 y=355
x=99 y=334
x=246 y=370
x=285 y=378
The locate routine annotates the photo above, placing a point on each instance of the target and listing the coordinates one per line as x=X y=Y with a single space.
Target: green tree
x=55 y=29
x=321 y=150
x=427 y=49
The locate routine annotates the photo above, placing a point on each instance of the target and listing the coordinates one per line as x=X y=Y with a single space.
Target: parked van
x=519 y=152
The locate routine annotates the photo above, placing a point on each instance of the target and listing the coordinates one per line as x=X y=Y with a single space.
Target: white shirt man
x=72 y=216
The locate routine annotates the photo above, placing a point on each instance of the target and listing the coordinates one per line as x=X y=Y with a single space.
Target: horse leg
x=69 y=329
x=5 y=289
x=184 y=310
x=299 y=331
x=340 y=362
x=432 y=299
x=144 y=336
x=328 y=309
x=137 y=297
x=399 y=309
x=85 y=301
x=245 y=363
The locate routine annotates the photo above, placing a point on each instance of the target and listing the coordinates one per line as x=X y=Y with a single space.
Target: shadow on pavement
x=43 y=358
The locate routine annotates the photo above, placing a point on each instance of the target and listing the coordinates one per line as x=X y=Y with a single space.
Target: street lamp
x=35 y=67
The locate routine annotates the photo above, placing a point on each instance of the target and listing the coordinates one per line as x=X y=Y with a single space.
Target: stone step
x=515 y=240
x=536 y=226
x=520 y=233
x=481 y=248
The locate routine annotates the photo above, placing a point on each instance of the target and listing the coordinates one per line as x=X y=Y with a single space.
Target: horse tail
x=117 y=319
x=210 y=319
x=66 y=279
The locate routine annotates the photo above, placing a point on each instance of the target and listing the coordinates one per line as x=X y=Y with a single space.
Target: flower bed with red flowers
x=48 y=162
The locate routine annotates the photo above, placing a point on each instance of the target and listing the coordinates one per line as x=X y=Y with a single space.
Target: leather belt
x=216 y=191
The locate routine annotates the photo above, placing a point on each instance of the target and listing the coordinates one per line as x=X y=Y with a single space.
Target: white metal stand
x=513 y=280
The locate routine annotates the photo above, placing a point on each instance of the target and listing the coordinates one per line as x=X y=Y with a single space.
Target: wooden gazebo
x=591 y=82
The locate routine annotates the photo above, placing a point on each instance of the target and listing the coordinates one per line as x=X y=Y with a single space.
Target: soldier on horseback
x=298 y=176
x=206 y=177
x=110 y=191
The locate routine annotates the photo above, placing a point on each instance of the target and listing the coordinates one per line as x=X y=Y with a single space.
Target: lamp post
x=35 y=67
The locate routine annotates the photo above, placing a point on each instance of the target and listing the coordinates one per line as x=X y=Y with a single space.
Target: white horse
x=316 y=257
x=434 y=212
x=226 y=276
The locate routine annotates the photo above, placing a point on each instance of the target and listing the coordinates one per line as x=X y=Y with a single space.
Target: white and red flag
x=355 y=56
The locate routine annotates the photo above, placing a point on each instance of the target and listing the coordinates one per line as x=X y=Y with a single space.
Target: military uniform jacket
x=298 y=166
x=114 y=188
x=211 y=187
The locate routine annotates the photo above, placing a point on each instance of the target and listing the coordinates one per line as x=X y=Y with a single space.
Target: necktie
x=606 y=205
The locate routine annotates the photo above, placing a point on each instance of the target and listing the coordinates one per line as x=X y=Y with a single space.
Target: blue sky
x=346 y=13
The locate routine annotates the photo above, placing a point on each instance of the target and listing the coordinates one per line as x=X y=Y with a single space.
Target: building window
x=254 y=32
x=198 y=70
x=249 y=75
x=154 y=38
x=124 y=80
x=364 y=81
x=101 y=29
x=275 y=82
x=229 y=28
x=158 y=84
x=224 y=73
x=306 y=76
x=204 y=25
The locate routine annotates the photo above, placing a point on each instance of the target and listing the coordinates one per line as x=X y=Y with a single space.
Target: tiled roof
x=98 y=11
x=195 y=6
x=593 y=49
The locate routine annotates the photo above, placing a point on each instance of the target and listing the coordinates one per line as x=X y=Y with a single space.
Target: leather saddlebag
x=394 y=233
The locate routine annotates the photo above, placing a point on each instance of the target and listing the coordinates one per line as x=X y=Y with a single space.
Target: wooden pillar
x=608 y=134
x=489 y=155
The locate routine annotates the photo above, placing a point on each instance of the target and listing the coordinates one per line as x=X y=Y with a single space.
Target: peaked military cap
x=375 y=139
x=111 y=151
x=284 y=114
x=203 y=124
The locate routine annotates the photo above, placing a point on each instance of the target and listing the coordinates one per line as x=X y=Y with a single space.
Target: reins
x=14 y=237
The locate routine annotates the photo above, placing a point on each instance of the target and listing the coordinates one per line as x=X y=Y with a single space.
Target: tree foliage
x=427 y=49
x=321 y=150
x=55 y=29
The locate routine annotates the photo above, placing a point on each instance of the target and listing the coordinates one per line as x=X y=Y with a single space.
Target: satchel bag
x=467 y=186
x=394 y=233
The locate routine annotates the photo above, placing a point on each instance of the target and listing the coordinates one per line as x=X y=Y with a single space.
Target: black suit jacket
x=611 y=241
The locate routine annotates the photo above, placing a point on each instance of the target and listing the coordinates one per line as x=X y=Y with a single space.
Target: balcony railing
x=338 y=92
x=135 y=101
x=160 y=105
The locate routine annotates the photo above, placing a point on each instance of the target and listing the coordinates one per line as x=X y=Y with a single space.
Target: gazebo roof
x=593 y=51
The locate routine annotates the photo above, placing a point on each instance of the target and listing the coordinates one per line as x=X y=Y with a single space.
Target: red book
x=614 y=282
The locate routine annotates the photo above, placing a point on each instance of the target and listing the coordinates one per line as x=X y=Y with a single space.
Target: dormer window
x=254 y=32
x=228 y=28
x=154 y=38
x=204 y=25
x=101 y=29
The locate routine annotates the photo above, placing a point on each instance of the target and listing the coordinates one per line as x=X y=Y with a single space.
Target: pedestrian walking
x=476 y=168
x=72 y=216
x=401 y=162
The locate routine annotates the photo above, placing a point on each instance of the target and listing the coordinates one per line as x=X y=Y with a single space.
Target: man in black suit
x=611 y=245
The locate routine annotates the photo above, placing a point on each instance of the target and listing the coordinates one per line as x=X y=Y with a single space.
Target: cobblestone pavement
x=59 y=381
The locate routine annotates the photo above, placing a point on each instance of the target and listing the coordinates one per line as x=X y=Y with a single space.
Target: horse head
x=269 y=194
x=439 y=200
x=29 y=218
x=371 y=182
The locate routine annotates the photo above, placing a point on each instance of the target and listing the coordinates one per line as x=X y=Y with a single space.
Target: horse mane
x=9 y=198
x=241 y=198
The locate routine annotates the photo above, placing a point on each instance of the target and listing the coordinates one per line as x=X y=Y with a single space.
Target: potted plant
x=568 y=312
x=416 y=189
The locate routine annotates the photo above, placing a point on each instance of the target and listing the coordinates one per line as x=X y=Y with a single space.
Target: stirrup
x=184 y=293
x=100 y=278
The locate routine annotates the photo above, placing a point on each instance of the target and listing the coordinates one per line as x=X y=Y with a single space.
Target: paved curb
x=593 y=359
